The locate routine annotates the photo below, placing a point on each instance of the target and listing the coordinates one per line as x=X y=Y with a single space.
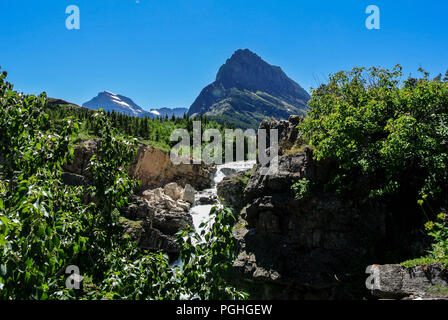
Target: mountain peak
x=114 y=102
x=246 y=70
x=244 y=53
x=248 y=83
x=110 y=101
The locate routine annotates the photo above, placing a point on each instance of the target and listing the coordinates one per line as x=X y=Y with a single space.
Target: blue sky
x=161 y=53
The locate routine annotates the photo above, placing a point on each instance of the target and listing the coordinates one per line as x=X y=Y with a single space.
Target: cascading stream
x=200 y=213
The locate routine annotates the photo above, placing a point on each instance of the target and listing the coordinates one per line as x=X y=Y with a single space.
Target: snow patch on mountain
x=114 y=102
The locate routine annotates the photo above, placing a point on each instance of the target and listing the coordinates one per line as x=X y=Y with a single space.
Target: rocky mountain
x=115 y=102
x=162 y=112
x=248 y=90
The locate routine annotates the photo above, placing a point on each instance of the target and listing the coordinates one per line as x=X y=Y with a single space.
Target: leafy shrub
x=382 y=130
x=438 y=230
x=301 y=188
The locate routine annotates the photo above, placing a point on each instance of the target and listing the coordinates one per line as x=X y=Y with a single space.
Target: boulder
x=82 y=154
x=139 y=209
x=173 y=190
x=231 y=190
x=228 y=171
x=189 y=194
x=394 y=281
x=207 y=199
x=148 y=238
x=170 y=223
x=153 y=219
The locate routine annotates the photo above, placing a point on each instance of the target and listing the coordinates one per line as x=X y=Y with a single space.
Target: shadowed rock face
x=290 y=247
x=248 y=90
x=319 y=246
x=301 y=249
x=230 y=190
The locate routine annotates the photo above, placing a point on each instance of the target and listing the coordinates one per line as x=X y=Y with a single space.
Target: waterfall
x=200 y=213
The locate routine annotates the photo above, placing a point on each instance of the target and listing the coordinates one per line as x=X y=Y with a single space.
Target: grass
x=295 y=148
x=438 y=291
x=425 y=261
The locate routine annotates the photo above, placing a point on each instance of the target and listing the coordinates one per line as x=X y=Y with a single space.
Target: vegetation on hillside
x=155 y=132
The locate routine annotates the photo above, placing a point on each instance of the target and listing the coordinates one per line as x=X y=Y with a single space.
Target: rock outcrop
x=287 y=130
x=231 y=190
x=82 y=154
x=154 y=169
x=153 y=219
x=421 y=282
x=151 y=166
x=171 y=211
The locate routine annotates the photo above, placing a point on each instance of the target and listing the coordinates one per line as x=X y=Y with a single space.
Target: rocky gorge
x=314 y=247
x=319 y=245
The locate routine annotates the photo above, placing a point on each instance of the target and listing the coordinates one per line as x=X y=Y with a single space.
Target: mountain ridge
x=115 y=102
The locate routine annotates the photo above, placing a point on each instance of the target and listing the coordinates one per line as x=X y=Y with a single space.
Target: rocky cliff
x=316 y=246
x=299 y=249
x=248 y=90
x=153 y=168
x=416 y=283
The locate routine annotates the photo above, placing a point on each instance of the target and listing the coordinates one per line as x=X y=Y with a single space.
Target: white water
x=201 y=213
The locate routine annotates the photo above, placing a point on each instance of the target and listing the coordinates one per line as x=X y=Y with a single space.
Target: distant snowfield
x=110 y=101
